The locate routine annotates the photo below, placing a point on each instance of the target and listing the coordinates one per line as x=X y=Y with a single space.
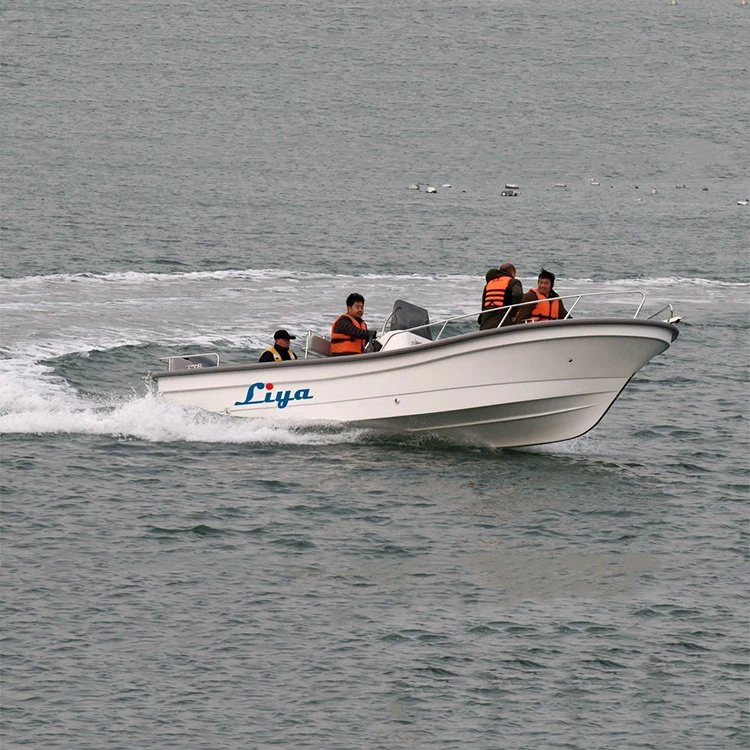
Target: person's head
x=355 y=305
x=509 y=269
x=546 y=281
x=282 y=337
x=493 y=273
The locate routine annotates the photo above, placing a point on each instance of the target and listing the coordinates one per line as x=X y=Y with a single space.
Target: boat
x=511 y=386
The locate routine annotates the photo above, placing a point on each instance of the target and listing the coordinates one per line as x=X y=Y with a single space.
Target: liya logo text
x=256 y=395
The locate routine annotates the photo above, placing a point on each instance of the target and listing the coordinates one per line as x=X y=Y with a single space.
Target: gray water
x=193 y=176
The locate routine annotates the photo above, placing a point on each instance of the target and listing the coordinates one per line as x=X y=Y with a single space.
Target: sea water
x=184 y=176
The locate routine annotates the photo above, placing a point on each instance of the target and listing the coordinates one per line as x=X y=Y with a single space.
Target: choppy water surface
x=184 y=176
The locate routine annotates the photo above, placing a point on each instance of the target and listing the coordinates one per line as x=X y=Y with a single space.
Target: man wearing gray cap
x=281 y=349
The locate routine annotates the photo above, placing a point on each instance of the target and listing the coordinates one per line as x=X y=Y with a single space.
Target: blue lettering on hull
x=256 y=395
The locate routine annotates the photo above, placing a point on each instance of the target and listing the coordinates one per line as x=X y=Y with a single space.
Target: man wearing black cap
x=280 y=350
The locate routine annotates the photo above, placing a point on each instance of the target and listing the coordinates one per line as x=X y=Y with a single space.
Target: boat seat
x=317 y=346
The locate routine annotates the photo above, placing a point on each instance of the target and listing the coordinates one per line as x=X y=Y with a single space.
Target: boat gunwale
x=428 y=345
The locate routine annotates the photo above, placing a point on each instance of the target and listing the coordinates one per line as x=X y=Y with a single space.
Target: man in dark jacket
x=545 y=310
x=501 y=290
x=349 y=333
x=281 y=349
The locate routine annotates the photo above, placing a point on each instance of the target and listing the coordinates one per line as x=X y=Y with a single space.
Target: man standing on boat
x=281 y=349
x=349 y=333
x=550 y=307
x=501 y=290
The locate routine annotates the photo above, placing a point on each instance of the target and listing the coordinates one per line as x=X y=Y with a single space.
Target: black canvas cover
x=406 y=315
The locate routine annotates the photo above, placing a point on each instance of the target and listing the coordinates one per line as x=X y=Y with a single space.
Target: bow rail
x=511 y=310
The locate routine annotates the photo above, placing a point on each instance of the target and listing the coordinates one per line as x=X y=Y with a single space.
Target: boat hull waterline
x=508 y=387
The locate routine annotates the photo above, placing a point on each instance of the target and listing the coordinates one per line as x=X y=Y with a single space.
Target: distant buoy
x=680 y=186
x=654 y=191
x=594 y=181
x=430 y=189
x=673 y=2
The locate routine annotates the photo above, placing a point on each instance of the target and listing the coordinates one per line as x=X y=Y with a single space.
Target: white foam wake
x=38 y=402
x=151 y=419
x=265 y=275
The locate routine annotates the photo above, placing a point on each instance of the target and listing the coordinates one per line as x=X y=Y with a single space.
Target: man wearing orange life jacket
x=501 y=290
x=548 y=307
x=349 y=333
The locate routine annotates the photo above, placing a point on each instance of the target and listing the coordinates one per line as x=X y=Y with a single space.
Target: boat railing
x=511 y=310
x=671 y=318
x=318 y=346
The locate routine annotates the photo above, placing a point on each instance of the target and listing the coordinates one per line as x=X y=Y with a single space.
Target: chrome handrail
x=668 y=306
x=509 y=308
x=575 y=297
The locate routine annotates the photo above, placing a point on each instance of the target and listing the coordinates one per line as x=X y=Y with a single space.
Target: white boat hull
x=521 y=385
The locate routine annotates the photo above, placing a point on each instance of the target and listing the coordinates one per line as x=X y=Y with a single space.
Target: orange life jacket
x=546 y=309
x=495 y=292
x=343 y=344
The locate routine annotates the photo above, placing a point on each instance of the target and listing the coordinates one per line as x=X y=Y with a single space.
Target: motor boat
x=510 y=386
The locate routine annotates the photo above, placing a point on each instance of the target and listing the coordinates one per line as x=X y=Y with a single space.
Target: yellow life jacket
x=277 y=356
